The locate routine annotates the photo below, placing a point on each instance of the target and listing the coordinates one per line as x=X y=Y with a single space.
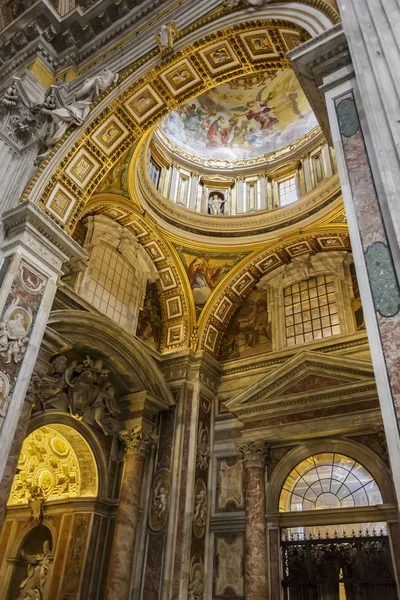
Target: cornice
x=235 y=226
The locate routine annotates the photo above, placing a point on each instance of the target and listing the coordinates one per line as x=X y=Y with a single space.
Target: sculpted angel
x=160 y=499
x=79 y=109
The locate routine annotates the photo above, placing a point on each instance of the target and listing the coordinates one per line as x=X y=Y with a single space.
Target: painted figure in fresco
x=262 y=113
x=203 y=278
x=149 y=324
x=218 y=134
x=249 y=327
x=33 y=585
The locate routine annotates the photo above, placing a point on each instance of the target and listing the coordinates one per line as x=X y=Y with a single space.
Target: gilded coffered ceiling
x=98 y=159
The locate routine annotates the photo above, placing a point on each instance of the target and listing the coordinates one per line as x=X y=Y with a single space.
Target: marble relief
x=229 y=578
x=200 y=509
x=230 y=476
x=16 y=323
x=159 y=503
x=203 y=447
x=196 y=579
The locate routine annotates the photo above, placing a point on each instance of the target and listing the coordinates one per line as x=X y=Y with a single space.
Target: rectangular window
x=311 y=311
x=154 y=171
x=287 y=191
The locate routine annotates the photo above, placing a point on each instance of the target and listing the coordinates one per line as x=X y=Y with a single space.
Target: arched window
x=328 y=480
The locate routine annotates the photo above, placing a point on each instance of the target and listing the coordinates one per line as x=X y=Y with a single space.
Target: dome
x=241 y=119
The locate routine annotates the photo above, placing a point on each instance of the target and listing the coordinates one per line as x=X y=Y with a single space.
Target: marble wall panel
x=228 y=576
x=377 y=254
x=230 y=485
x=74 y=564
x=158 y=516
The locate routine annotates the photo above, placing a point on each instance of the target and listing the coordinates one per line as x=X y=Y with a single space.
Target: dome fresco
x=242 y=119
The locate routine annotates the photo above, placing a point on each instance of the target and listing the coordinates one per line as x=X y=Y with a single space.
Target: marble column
x=135 y=443
x=33 y=251
x=255 y=576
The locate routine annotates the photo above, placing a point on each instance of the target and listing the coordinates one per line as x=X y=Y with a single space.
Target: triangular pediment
x=305 y=375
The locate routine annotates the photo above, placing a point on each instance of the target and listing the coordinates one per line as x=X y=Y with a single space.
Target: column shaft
x=255 y=540
x=255 y=574
x=123 y=544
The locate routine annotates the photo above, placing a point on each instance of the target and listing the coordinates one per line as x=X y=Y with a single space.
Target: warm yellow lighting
x=51 y=463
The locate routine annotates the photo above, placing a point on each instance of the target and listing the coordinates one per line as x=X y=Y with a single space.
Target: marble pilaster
x=335 y=90
x=256 y=583
x=135 y=443
x=34 y=249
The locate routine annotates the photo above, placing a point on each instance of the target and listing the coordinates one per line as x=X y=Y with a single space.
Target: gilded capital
x=254 y=453
x=137 y=441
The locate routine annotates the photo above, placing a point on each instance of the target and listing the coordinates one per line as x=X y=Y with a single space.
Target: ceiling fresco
x=205 y=270
x=242 y=119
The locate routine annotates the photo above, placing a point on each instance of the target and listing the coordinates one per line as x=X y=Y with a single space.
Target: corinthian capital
x=254 y=453
x=137 y=441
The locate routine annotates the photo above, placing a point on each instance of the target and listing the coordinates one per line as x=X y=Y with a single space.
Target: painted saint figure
x=203 y=278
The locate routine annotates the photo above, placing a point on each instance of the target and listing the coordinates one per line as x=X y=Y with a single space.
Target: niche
x=31 y=567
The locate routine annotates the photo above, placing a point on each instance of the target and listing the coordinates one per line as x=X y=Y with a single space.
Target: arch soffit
x=148 y=90
x=244 y=277
x=104 y=334
x=54 y=417
x=359 y=452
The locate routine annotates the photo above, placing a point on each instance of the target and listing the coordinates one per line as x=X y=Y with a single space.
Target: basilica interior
x=199 y=287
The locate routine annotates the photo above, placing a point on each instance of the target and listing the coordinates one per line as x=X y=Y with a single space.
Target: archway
x=57 y=471
x=329 y=549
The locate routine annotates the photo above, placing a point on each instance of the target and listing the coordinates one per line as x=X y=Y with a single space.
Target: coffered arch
x=242 y=280
x=146 y=92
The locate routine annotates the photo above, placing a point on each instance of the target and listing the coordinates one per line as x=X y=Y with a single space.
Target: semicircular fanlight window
x=327 y=481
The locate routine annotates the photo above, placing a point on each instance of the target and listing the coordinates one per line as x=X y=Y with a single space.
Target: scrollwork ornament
x=254 y=453
x=136 y=441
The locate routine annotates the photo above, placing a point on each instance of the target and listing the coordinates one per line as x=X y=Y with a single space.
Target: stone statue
x=32 y=587
x=83 y=389
x=165 y=37
x=10 y=98
x=203 y=447
x=13 y=332
x=216 y=205
x=76 y=112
